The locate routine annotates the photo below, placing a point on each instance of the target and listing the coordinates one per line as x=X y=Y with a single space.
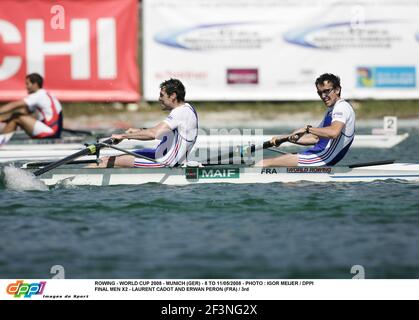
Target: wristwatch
x=308 y=128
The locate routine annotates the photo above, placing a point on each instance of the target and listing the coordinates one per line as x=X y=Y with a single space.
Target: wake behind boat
x=236 y=174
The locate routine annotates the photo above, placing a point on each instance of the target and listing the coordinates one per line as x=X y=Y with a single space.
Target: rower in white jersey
x=39 y=114
x=178 y=133
x=332 y=138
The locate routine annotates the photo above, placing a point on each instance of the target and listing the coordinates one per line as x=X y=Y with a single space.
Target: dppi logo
x=27 y=290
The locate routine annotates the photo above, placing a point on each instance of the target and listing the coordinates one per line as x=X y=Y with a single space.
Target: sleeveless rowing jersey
x=48 y=107
x=176 y=144
x=331 y=151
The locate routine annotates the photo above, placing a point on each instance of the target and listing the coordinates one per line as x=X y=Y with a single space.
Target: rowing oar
x=132 y=153
x=89 y=150
x=251 y=149
x=78 y=132
x=33 y=165
x=370 y=164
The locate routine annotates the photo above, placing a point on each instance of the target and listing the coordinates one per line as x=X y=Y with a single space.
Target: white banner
x=206 y=289
x=275 y=49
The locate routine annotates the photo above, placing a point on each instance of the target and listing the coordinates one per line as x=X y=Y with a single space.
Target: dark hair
x=335 y=80
x=35 y=78
x=174 y=86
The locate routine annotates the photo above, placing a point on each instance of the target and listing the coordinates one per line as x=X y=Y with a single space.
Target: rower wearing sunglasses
x=331 y=139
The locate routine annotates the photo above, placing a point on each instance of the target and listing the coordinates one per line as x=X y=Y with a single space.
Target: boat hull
x=229 y=174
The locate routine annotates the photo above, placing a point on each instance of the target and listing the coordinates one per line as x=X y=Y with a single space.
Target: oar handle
x=278 y=142
x=268 y=144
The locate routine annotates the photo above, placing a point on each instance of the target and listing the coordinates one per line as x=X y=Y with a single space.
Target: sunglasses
x=325 y=92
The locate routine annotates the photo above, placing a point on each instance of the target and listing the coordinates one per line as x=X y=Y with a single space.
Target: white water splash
x=21 y=180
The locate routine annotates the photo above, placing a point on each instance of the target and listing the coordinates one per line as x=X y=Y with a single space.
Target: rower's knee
x=110 y=163
x=103 y=163
x=11 y=120
x=259 y=163
x=124 y=161
x=16 y=117
x=287 y=160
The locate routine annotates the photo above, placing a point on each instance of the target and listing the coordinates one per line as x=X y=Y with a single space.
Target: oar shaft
x=78 y=132
x=370 y=164
x=89 y=150
x=243 y=151
x=130 y=153
x=34 y=165
x=62 y=161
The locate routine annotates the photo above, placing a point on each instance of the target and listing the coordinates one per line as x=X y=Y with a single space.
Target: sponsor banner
x=274 y=50
x=386 y=77
x=86 y=50
x=242 y=76
x=212 y=173
x=210 y=289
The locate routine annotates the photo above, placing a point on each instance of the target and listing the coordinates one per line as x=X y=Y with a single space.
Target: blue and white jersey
x=175 y=145
x=331 y=151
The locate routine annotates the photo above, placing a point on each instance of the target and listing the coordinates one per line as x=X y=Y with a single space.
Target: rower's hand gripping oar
x=277 y=142
x=91 y=149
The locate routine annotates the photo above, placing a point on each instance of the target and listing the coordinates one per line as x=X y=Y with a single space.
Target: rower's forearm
x=6 y=113
x=140 y=135
x=308 y=139
x=15 y=105
x=7 y=108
